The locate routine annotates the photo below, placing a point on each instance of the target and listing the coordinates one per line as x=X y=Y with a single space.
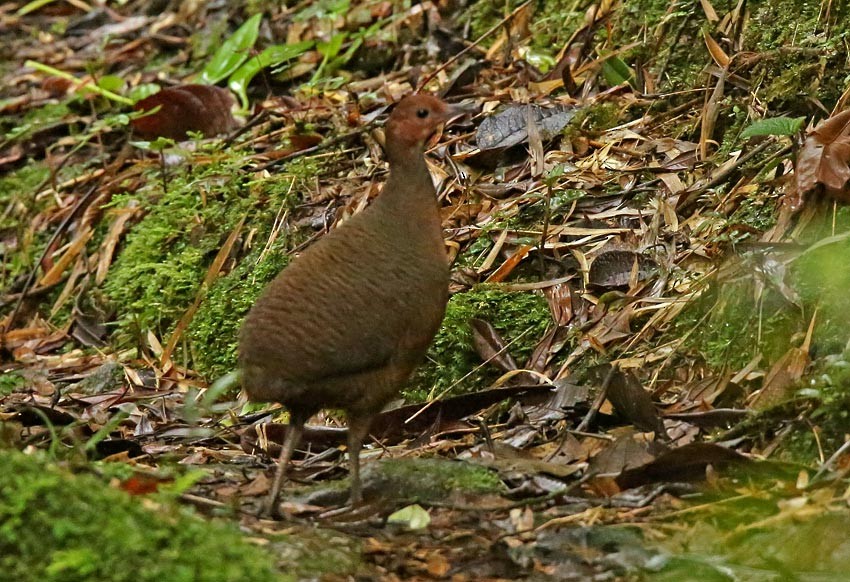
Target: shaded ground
x=643 y=370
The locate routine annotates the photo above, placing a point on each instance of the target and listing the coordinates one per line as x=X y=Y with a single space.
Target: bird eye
x=421 y=113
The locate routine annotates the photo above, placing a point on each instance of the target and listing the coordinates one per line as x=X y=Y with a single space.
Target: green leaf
x=88 y=88
x=112 y=83
x=616 y=71
x=183 y=483
x=331 y=48
x=32 y=6
x=233 y=52
x=220 y=386
x=157 y=145
x=411 y=517
x=774 y=126
x=139 y=92
x=539 y=59
x=270 y=57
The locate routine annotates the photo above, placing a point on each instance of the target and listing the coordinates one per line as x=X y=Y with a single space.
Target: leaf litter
x=623 y=224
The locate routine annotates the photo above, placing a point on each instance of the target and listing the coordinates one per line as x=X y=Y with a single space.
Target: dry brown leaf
x=718 y=54
x=183 y=109
x=825 y=157
x=490 y=345
x=780 y=382
x=54 y=275
x=111 y=241
x=627 y=395
x=505 y=269
x=560 y=299
x=710 y=12
x=710 y=111
x=437 y=565
x=687 y=463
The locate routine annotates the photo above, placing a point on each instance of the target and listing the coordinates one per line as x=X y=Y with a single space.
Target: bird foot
x=270 y=508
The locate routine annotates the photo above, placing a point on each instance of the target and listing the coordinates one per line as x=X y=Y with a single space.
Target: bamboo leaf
x=270 y=57
x=774 y=126
x=233 y=52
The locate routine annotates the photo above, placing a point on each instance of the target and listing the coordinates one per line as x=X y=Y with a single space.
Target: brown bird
x=345 y=324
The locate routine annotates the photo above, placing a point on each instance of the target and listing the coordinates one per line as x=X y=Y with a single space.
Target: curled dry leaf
x=619 y=268
x=825 y=157
x=197 y=108
x=686 y=463
x=490 y=345
x=509 y=127
x=629 y=398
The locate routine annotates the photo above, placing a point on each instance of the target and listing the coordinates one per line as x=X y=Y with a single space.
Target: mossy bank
x=55 y=525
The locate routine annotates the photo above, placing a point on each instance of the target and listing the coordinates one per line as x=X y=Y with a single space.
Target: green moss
x=728 y=327
x=159 y=272
x=10 y=382
x=18 y=188
x=34 y=119
x=17 y=194
x=798 y=55
x=315 y=553
x=599 y=117
x=822 y=279
x=433 y=479
x=452 y=356
x=668 y=37
x=59 y=526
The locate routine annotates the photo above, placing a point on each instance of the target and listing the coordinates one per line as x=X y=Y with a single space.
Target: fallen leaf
x=629 y=398
x=614 y=268
x=687 y=463
x=509 y=127
x=490 y=345
x=183 y=109
x=825 y=156
x=412 y=517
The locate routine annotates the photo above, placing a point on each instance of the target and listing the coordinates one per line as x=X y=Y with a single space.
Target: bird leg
x=358 y=428
x=293 y=435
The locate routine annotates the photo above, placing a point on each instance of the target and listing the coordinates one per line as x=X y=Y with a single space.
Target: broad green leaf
x=233 y=52
x=556 y=172
x=616 y=71
x=139 y=92
x=112 y=83
x=331 y=48
x=774 y=126
x=270 y=57
x=539 y=59
x=412 y=517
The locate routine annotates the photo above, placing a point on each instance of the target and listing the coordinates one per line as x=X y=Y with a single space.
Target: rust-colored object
x=200 y=108
x=824 y=159
x=345 y=324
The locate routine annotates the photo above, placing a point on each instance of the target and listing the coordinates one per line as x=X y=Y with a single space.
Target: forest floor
x=643 y=371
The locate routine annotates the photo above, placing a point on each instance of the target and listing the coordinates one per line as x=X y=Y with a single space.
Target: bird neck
x=409 y=185
x=407 y=208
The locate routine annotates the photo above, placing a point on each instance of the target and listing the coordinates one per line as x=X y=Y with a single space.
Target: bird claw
x=338 y=511
x=270 y=508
